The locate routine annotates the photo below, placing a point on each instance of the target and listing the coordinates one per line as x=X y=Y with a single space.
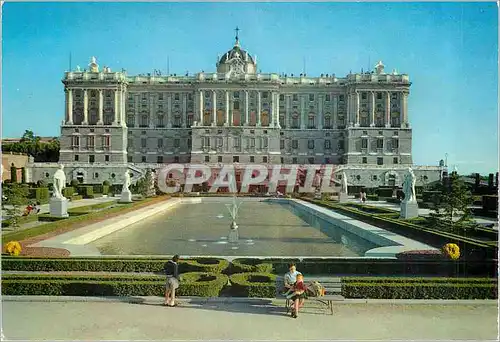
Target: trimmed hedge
x=86 y=191
x=373 y=280
x=420 y=291
x=89 y=208
x=101 y=189
x=110 y=264
x=261 y=285
x=192 y=284
x=201 y=284
x=68 y=192
x=39 y=194
x=250 y=265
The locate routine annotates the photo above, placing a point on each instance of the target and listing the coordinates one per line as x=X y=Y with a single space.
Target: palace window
x=160 y=142
x=91 y=158
x=341 y=97
x=207 y=159
x=295 y=144
x=395 y=160
x=282 y=97
x=364 y=160
x=363 y=96
x=264 y=159
x=364 y=143
x=90 y=141
x=159 y=121
x=75 y=141
x=327 y=98
x=282 y=144
x=380 y=161
x=76 y=157
x=236 y=159
x=176 y=159
x=379 y=96
x=380 y=143
x=143 y=142
x=341 y=144
x=129 y=159
x=311 y=97
x=237 y=142
x=159 y=159
x=106 y=159
x=144 y=121
x=310 y=144
x=176 y=96
x=311 y=122
x=395 y=143
x=310 y=160
x=252 y=159
x=106 y=141
x=295 y=97
x=220 y=142
x=328 y=144
x=177 y=143
x=236 y=94
x=143 y=159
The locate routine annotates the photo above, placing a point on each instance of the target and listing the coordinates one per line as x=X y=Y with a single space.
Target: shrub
x=420 y=255
x=106 y=183
x=101 y=189
x=75 y=183
x=201 y=284
x=262 y=285
x=86 y=191
x=420 y=291
x=250 y=265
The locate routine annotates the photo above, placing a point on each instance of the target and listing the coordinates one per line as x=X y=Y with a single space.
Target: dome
x=236 y=52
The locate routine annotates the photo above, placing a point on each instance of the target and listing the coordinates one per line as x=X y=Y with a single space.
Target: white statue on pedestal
x=59 y=182
x=126 y=182
x=409 y=186
x=343 y=184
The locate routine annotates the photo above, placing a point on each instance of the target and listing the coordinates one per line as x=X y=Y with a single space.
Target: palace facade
x=115 y=122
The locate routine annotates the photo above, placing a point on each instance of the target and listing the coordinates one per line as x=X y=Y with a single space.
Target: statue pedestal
x=59 y=207
x=234 y=235
x=343 y=198
x=126 y=197
x=409 y=210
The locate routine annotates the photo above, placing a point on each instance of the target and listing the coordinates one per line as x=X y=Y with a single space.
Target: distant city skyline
x=449 y=51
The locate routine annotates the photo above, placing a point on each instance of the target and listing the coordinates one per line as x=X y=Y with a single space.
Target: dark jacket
x=171 y=269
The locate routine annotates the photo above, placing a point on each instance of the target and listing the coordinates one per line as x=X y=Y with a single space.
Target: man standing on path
x=172 y=272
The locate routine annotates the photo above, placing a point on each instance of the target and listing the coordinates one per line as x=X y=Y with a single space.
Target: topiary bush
x=250 y=265
x=202 y=284
x=40 y=194
x=68 y=192
x=261 y=285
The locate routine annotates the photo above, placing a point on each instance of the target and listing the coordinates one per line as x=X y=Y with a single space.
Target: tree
x=23 y=175
x=16 y=197
x=453 y=212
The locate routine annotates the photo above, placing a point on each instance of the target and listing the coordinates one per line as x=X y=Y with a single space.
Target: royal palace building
x=114 y=121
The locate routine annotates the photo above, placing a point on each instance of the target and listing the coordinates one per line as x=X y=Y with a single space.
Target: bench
x=333 y=289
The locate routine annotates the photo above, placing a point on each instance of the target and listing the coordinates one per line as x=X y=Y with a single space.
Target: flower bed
x=250 y=265
x=262 y=285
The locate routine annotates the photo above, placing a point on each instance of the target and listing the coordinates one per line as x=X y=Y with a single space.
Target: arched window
x=295 y=120
x=311 y=121
x=144 y=120
x=327 y=121
x=160 y=120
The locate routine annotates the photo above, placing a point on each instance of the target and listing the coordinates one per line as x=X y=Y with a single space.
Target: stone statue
x=59 y=182
x=409 y=186
x=126 y=181
x=343 y=187
x=78 y=68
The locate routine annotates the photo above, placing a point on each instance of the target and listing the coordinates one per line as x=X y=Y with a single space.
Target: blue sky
x=450 y=51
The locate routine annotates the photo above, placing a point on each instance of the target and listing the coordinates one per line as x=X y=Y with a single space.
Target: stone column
x=320 y=112
x=100 y=121
x=69 y=108
x=201 y=105
x=117 y=108
x=136 y=111
x=214 y=108
x=169 y=110
x=124 y=108
x=259 y=109
x=184 y=110
x=404 y=109
x=349 y=120
x=226 y=123
x=303 y=112
x=335 y=100
x=273 y=109
x=247 y=100
x=85 y=107
x=288 y=115
x=151 y=111
x=277 y=119
x=372 y=109
x=388 y=109
x=357 y=106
